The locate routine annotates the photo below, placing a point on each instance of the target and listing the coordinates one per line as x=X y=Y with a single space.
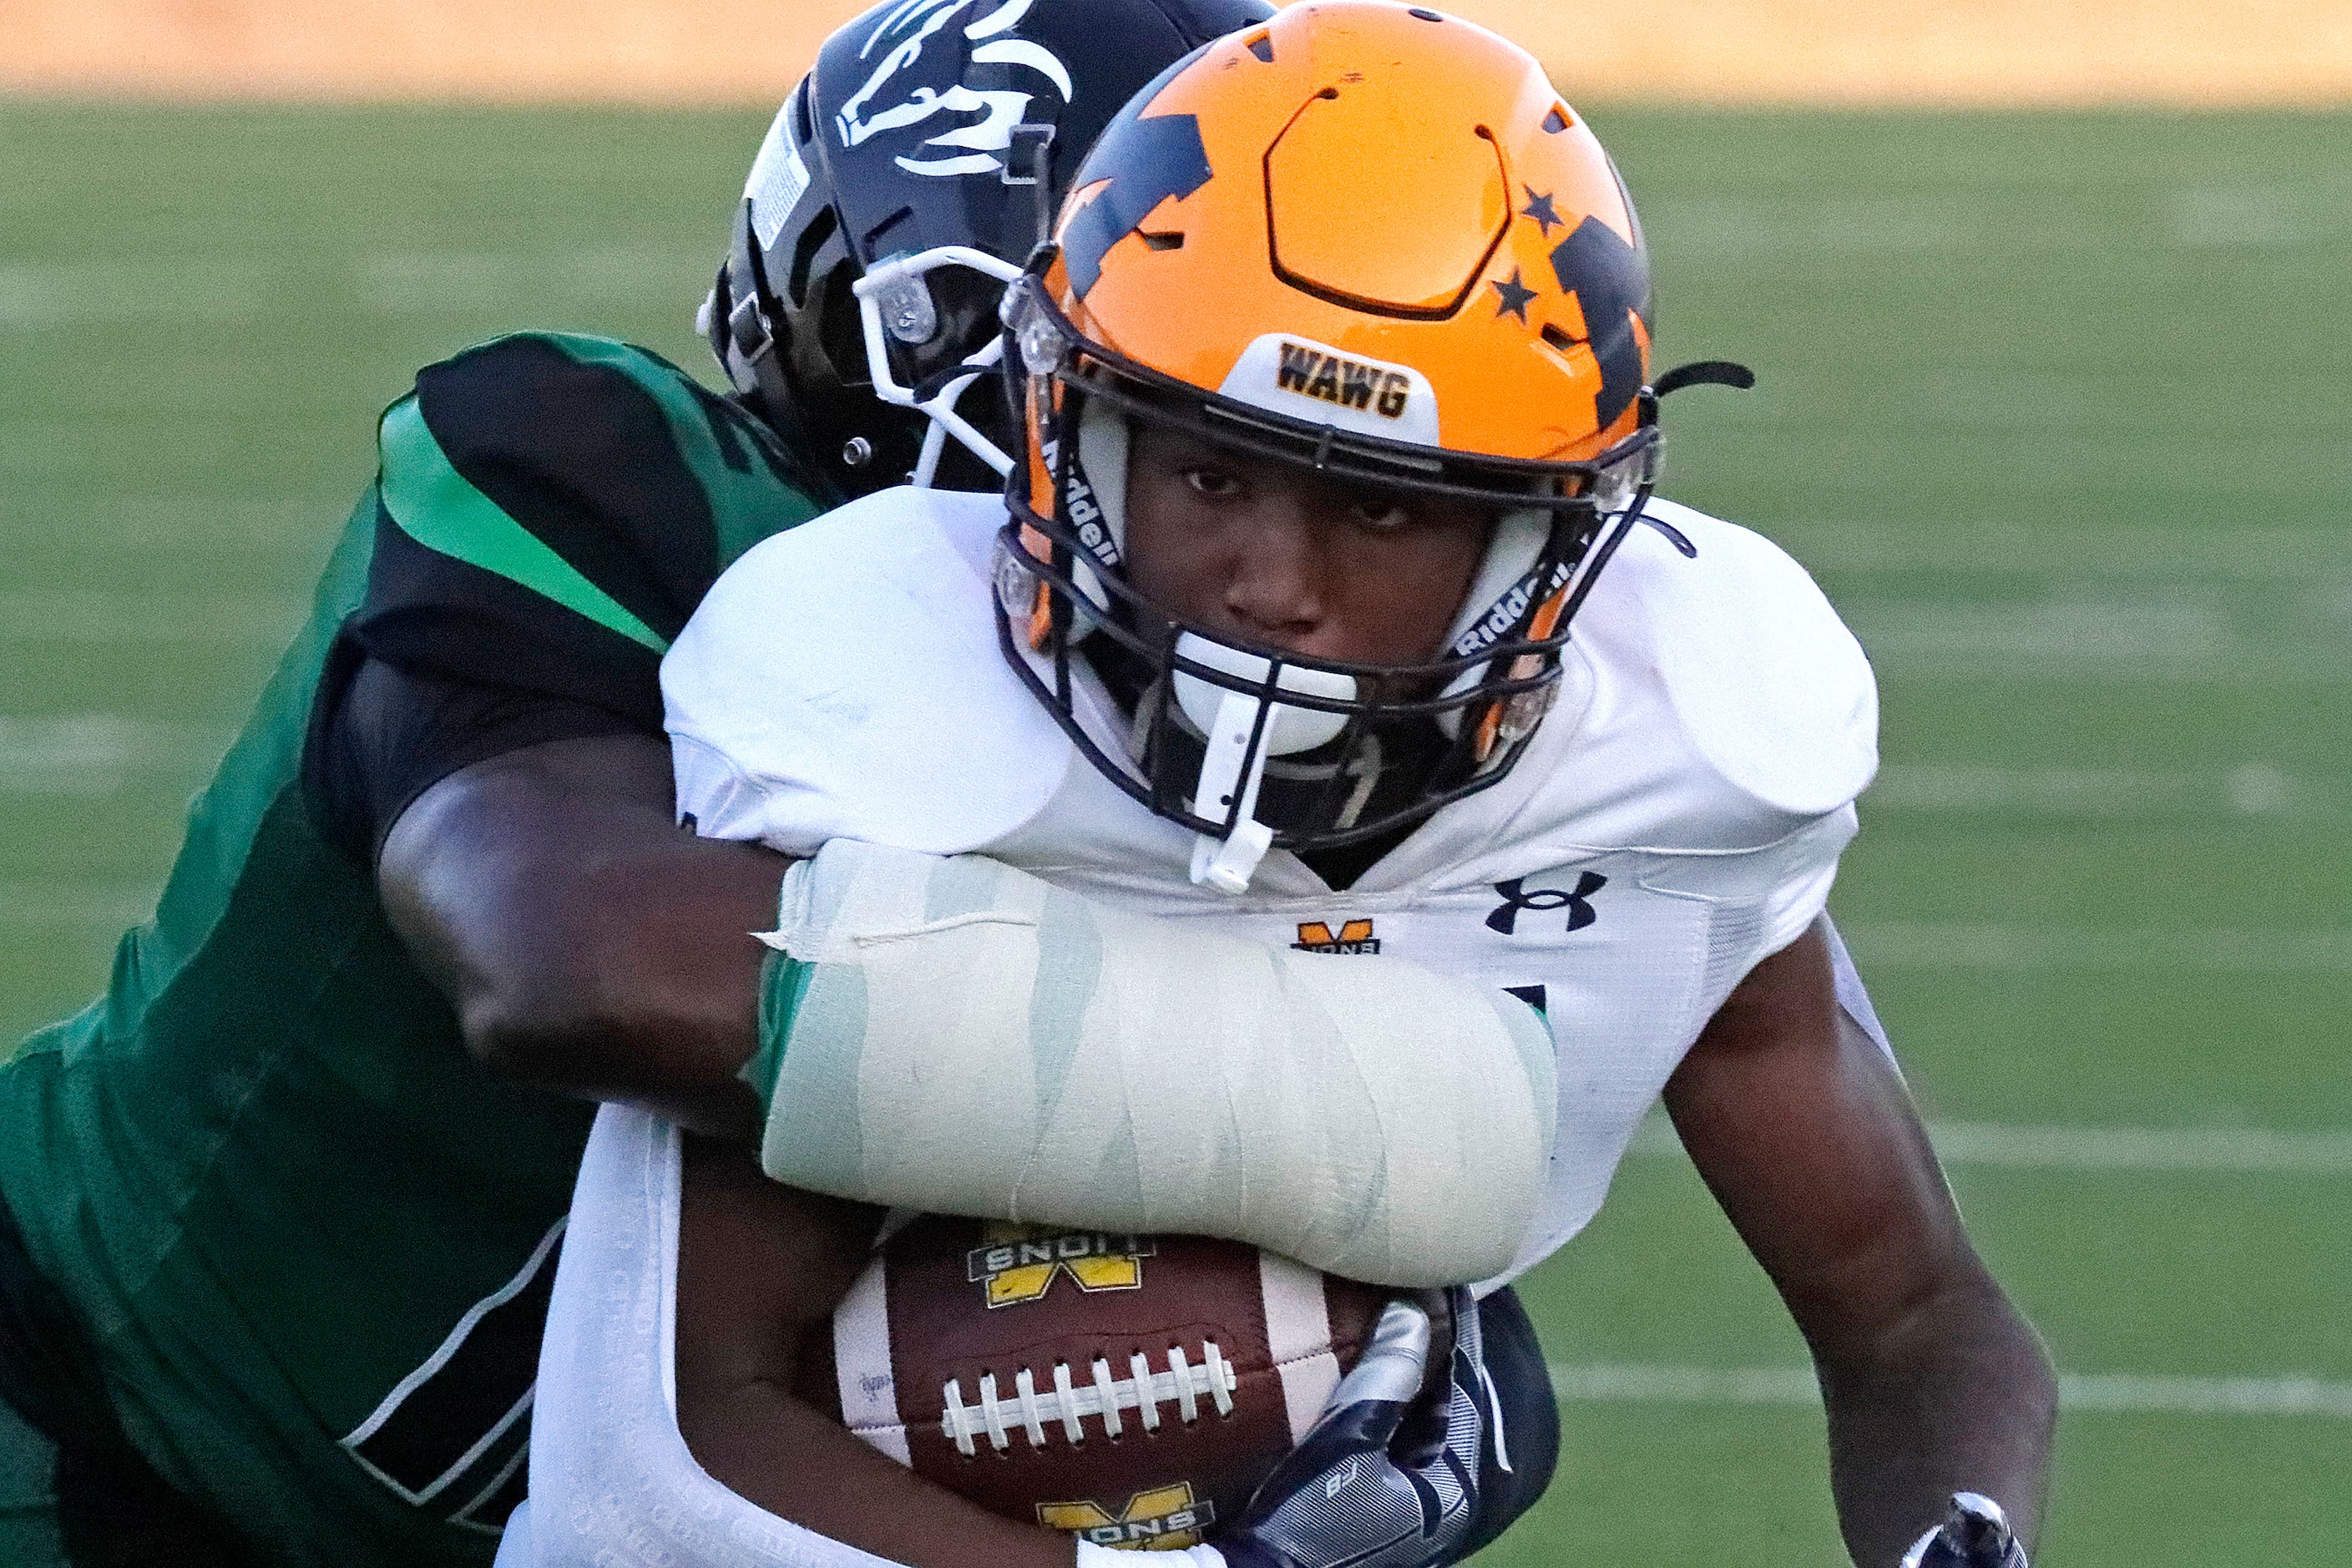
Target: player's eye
x=1214 y=483
x=1376 y=514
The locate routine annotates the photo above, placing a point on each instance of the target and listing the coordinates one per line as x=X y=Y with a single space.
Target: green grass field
x=2055 y=407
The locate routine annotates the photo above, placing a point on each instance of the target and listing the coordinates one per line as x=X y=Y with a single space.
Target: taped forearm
x=958 y=1036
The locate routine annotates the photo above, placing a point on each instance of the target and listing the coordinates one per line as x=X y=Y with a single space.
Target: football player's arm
x=548 y=510
x=589 y=943
x=760 y=1267
x=1934 y=1382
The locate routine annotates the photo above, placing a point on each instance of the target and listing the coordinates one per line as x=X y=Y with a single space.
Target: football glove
x=1523 y=1450
x=1976 y=1535
x=1387 y=1477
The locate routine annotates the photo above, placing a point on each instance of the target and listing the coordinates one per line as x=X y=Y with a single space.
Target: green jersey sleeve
x=551 y=508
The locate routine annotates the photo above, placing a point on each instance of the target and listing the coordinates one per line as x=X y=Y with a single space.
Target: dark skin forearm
x=1960 y=1398
x=590 y=945
x=761 y=1267
x=1805 y=1133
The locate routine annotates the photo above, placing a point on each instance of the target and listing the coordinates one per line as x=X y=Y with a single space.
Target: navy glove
x=1525 y=1450
x=1977 y=1535
x=1386 y=1478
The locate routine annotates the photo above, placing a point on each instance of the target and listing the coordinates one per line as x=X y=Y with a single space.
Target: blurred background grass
x=2054 y=403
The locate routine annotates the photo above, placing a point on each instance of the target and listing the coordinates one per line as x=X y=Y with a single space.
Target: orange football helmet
x=1370 y=240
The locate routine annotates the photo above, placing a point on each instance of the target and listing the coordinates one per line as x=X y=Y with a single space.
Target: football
x=1132 y=1390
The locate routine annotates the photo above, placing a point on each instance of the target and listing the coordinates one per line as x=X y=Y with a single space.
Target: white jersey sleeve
x=807 y=702
x=1772 y=689
x=1711 y=703
x=1802 y=892
x=1775 y=695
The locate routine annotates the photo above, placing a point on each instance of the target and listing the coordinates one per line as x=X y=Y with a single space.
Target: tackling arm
x=591 y=946
x=589 y=943
x=1934 y=1381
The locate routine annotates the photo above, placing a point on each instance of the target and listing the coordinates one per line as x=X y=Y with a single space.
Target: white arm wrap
x=971 y=1040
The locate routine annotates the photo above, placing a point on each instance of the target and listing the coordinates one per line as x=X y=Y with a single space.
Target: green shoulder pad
x=436 y=505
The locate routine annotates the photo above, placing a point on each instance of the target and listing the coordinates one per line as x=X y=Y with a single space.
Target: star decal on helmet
x=1516 y=296
x=1539 y=208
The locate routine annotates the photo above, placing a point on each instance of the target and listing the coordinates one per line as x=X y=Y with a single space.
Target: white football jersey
x=1677 y=817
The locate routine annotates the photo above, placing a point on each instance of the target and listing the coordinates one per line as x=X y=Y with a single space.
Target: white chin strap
x=893 y=302
x=1230 y=768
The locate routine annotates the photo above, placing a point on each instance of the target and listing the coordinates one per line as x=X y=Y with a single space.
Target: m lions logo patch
x=1165 y=1519
x=1016 y=1264
x=906 y=46
x=1354 y=936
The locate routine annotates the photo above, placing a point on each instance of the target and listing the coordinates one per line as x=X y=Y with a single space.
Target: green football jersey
x=310 y=1238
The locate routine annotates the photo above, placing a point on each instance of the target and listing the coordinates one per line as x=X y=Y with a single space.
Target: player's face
x=1264 y=553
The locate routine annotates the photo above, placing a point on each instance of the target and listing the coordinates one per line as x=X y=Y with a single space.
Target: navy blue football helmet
x=902 y=184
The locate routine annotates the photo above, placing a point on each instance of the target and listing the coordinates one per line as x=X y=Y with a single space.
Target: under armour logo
x=1543 y=900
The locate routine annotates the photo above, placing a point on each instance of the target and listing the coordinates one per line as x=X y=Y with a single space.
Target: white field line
x=438 y=282
x=2218 y=1151
x=2153 y=1394
x=2229 y=1151
x=91 y=521
x=1895 y=227
x=52 y=297
x=2252 y=789
x=2068 y=557
x=2251 y=670
x=1902 y=944
x=98 y=753
x=2161 y=629
x=2184 y=632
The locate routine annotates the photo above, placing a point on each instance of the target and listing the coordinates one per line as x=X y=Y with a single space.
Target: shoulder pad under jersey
x=554 y=507
x=845 y=680
x=1722 y=704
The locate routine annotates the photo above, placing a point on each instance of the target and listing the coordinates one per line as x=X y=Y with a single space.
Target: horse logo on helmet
x=893 y=98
